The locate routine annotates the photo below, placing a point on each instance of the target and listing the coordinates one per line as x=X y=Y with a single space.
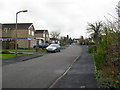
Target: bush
x=91 y=43
x=91 y=48
x=62 y=44
x=5 y=52
x=99 y=59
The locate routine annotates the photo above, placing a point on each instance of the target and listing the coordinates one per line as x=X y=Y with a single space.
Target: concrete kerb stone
x=32 y=57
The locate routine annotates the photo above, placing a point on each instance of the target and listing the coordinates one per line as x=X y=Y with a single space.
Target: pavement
x=81 y=74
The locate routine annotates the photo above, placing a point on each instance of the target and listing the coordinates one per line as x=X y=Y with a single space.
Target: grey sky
x=66 y=16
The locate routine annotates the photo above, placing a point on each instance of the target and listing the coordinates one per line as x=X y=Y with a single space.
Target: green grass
x=22 y=50
x=8 y=56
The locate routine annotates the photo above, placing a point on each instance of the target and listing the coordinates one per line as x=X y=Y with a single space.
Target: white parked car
x=53 y=48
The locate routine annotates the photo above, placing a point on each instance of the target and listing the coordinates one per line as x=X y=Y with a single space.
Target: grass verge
x=8 y=56
x=33 y=50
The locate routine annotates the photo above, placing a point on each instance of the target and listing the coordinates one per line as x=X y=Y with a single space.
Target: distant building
x=76 y=40
x=54 y=40
x=42 y=36
x=25 y=35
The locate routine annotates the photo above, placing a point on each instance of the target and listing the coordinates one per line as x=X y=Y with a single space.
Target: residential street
x=40 y=72
x=81 y=74
x=49 y=44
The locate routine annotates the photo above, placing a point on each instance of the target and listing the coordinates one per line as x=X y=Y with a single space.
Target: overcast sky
x=65 y=16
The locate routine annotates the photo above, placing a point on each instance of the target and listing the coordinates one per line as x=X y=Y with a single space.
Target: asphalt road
x=40 y=72
x=81 y=74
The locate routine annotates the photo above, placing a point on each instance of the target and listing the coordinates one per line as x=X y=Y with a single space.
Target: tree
x=95 y=31
x=81 y=40
x=70 y=41
x=118 y=9
x=55 y=35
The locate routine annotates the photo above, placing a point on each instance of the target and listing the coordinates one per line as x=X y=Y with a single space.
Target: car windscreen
x=53 y=45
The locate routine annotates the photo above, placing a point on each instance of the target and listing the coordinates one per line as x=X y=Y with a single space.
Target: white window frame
x=32 y=33
x=29 y=32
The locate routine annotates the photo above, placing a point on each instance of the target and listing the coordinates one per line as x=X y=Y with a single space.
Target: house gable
x=20 y=26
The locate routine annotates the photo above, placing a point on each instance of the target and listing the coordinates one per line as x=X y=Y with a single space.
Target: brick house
x=42 y=36
x=25 y=35
x=0 y=36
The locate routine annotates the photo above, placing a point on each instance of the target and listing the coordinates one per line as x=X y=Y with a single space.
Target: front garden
x=8 y=56
x=10 y=53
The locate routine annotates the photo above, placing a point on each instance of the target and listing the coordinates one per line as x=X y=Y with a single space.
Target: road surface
x=39 y=72
x=81 y=74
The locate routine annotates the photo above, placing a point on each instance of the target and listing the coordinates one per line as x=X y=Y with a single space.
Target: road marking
x=64 y=73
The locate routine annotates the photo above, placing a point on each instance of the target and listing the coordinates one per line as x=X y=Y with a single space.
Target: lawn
x=23 y=50
x=7 y=56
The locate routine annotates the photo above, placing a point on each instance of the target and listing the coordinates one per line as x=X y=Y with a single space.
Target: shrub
x=99 y=59
x=5 y=52
x=62 y=44
x=91 y=48
x=91 y=43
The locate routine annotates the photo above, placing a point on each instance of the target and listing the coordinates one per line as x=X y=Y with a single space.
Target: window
x=29 y=32
x=43 y=34
x=5 y=30
x=32 y=33
x=47 y=36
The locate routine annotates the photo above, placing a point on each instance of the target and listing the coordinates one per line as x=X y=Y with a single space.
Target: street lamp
x=16 y=30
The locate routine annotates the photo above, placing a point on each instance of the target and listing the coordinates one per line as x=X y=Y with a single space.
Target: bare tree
x=55 y=34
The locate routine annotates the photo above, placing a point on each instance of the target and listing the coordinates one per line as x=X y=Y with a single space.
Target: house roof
x=53 y=39
x=40 y=31
x=19 y=25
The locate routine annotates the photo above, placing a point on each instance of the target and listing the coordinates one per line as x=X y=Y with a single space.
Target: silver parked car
x=53 y=48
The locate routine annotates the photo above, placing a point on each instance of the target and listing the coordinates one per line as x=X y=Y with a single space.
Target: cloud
x=66 y=16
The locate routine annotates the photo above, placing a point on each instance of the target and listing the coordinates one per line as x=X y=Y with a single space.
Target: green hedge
x=91 y=48
x=99 y=59
x=98 y=54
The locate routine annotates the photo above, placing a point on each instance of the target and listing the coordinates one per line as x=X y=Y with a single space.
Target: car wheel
x=55 y=51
